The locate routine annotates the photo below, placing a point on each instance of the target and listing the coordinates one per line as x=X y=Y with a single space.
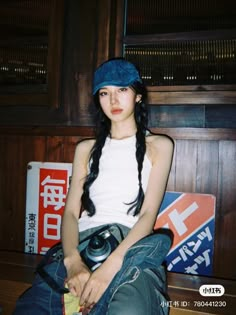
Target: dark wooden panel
x=227 y=175
x=171 y=181
x=69 y=146
x=8 y=296
x=149 y=39
x=80 y=51
x=177 y=116
x=31 y=37
x=196 y=97
x=198 y=133
x=88 y=131
x=207 y=167
x=18 y=151
x=55 y=149
x=48 y=130
x=214 y=116
x=225 y=250
x=186 y=165
x=60 y=148
x=218 y=116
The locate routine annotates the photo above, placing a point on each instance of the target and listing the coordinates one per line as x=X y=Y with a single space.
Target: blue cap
x=118 y=72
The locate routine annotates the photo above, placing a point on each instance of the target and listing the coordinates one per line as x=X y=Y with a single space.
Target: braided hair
x=103 y=130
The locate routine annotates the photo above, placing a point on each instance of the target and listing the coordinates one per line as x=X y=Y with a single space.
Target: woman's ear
x=138 y=98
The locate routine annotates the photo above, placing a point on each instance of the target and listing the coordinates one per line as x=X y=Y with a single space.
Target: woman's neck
x=122 y=131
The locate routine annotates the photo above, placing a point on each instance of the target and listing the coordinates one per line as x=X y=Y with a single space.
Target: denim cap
x=117 y=72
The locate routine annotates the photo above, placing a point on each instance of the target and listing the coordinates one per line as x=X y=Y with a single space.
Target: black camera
x=98 y=247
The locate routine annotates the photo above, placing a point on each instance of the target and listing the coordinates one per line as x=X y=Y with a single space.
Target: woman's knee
x=123 y=303
x=139 y=297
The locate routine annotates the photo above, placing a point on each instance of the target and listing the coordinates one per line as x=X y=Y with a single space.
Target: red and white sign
x=186 y=214
x=47 y=186
x=191 y=218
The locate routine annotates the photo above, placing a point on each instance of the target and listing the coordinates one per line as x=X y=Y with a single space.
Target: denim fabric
x=142 y=262
x=118 y=72
x=143 y=295
x=40 y=299
x=147 y=254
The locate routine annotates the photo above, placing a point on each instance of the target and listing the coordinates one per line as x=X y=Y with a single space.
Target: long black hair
x=103 y=129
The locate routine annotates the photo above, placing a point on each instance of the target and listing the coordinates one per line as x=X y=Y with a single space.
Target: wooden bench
x=17 y=272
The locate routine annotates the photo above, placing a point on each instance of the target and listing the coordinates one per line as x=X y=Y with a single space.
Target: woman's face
x=118 y=102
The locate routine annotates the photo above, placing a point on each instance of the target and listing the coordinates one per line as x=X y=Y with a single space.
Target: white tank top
x=116 y=184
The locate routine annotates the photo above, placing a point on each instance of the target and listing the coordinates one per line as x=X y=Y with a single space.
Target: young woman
x=119 y=177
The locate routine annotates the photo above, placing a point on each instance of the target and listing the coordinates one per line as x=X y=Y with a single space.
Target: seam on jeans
x=125 y=267
x=153 y=252
x=138 y=246
x=158 y=247
x=133 y=248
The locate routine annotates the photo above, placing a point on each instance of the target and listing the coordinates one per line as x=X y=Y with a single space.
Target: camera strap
x=102 y=229
x=51 y=256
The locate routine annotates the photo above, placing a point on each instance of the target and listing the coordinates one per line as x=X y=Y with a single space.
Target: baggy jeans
x=139 y=288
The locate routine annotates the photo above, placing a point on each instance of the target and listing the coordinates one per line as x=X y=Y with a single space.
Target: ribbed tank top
x=116 y=184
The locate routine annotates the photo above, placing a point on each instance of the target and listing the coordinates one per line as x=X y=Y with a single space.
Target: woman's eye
x=102 y=93
x=123 y=89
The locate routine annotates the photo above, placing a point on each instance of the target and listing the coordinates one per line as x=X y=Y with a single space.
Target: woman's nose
x=113 y=98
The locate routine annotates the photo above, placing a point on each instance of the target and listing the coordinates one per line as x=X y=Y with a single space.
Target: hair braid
x=104 y=130
x=141 y=121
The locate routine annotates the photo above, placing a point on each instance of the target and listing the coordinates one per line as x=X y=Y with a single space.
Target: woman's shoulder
x=84 y=148
x=159 y=143
x=159 y=140
x=86 y=144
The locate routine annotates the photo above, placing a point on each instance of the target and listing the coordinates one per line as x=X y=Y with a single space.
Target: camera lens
x=98 y=248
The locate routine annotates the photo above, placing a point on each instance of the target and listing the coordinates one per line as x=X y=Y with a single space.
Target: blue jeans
x=143 y=260
x=141 y=276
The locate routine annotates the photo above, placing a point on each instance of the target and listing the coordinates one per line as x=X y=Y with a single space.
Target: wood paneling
x=177 y=116
x=206 y=170
x=80 y=50
x=226 y=208
x=31 y=34
x=194 y=97
x=196 y=116
x=218 y=116
x=186 y=165
x=19 y=150
x=204 y=162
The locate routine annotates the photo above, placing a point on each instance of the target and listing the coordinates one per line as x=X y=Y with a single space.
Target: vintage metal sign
x=191 y=218
x=47 y=186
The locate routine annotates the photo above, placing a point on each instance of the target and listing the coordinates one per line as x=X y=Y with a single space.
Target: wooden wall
x=204 y=162
x=205 y=136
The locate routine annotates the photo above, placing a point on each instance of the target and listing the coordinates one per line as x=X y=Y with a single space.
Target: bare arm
x=77 y=271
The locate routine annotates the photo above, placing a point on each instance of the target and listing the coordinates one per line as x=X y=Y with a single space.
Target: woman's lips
x=116 y=111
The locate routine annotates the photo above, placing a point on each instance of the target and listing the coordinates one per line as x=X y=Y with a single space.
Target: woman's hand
x=99 y=281
x=77 y=274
